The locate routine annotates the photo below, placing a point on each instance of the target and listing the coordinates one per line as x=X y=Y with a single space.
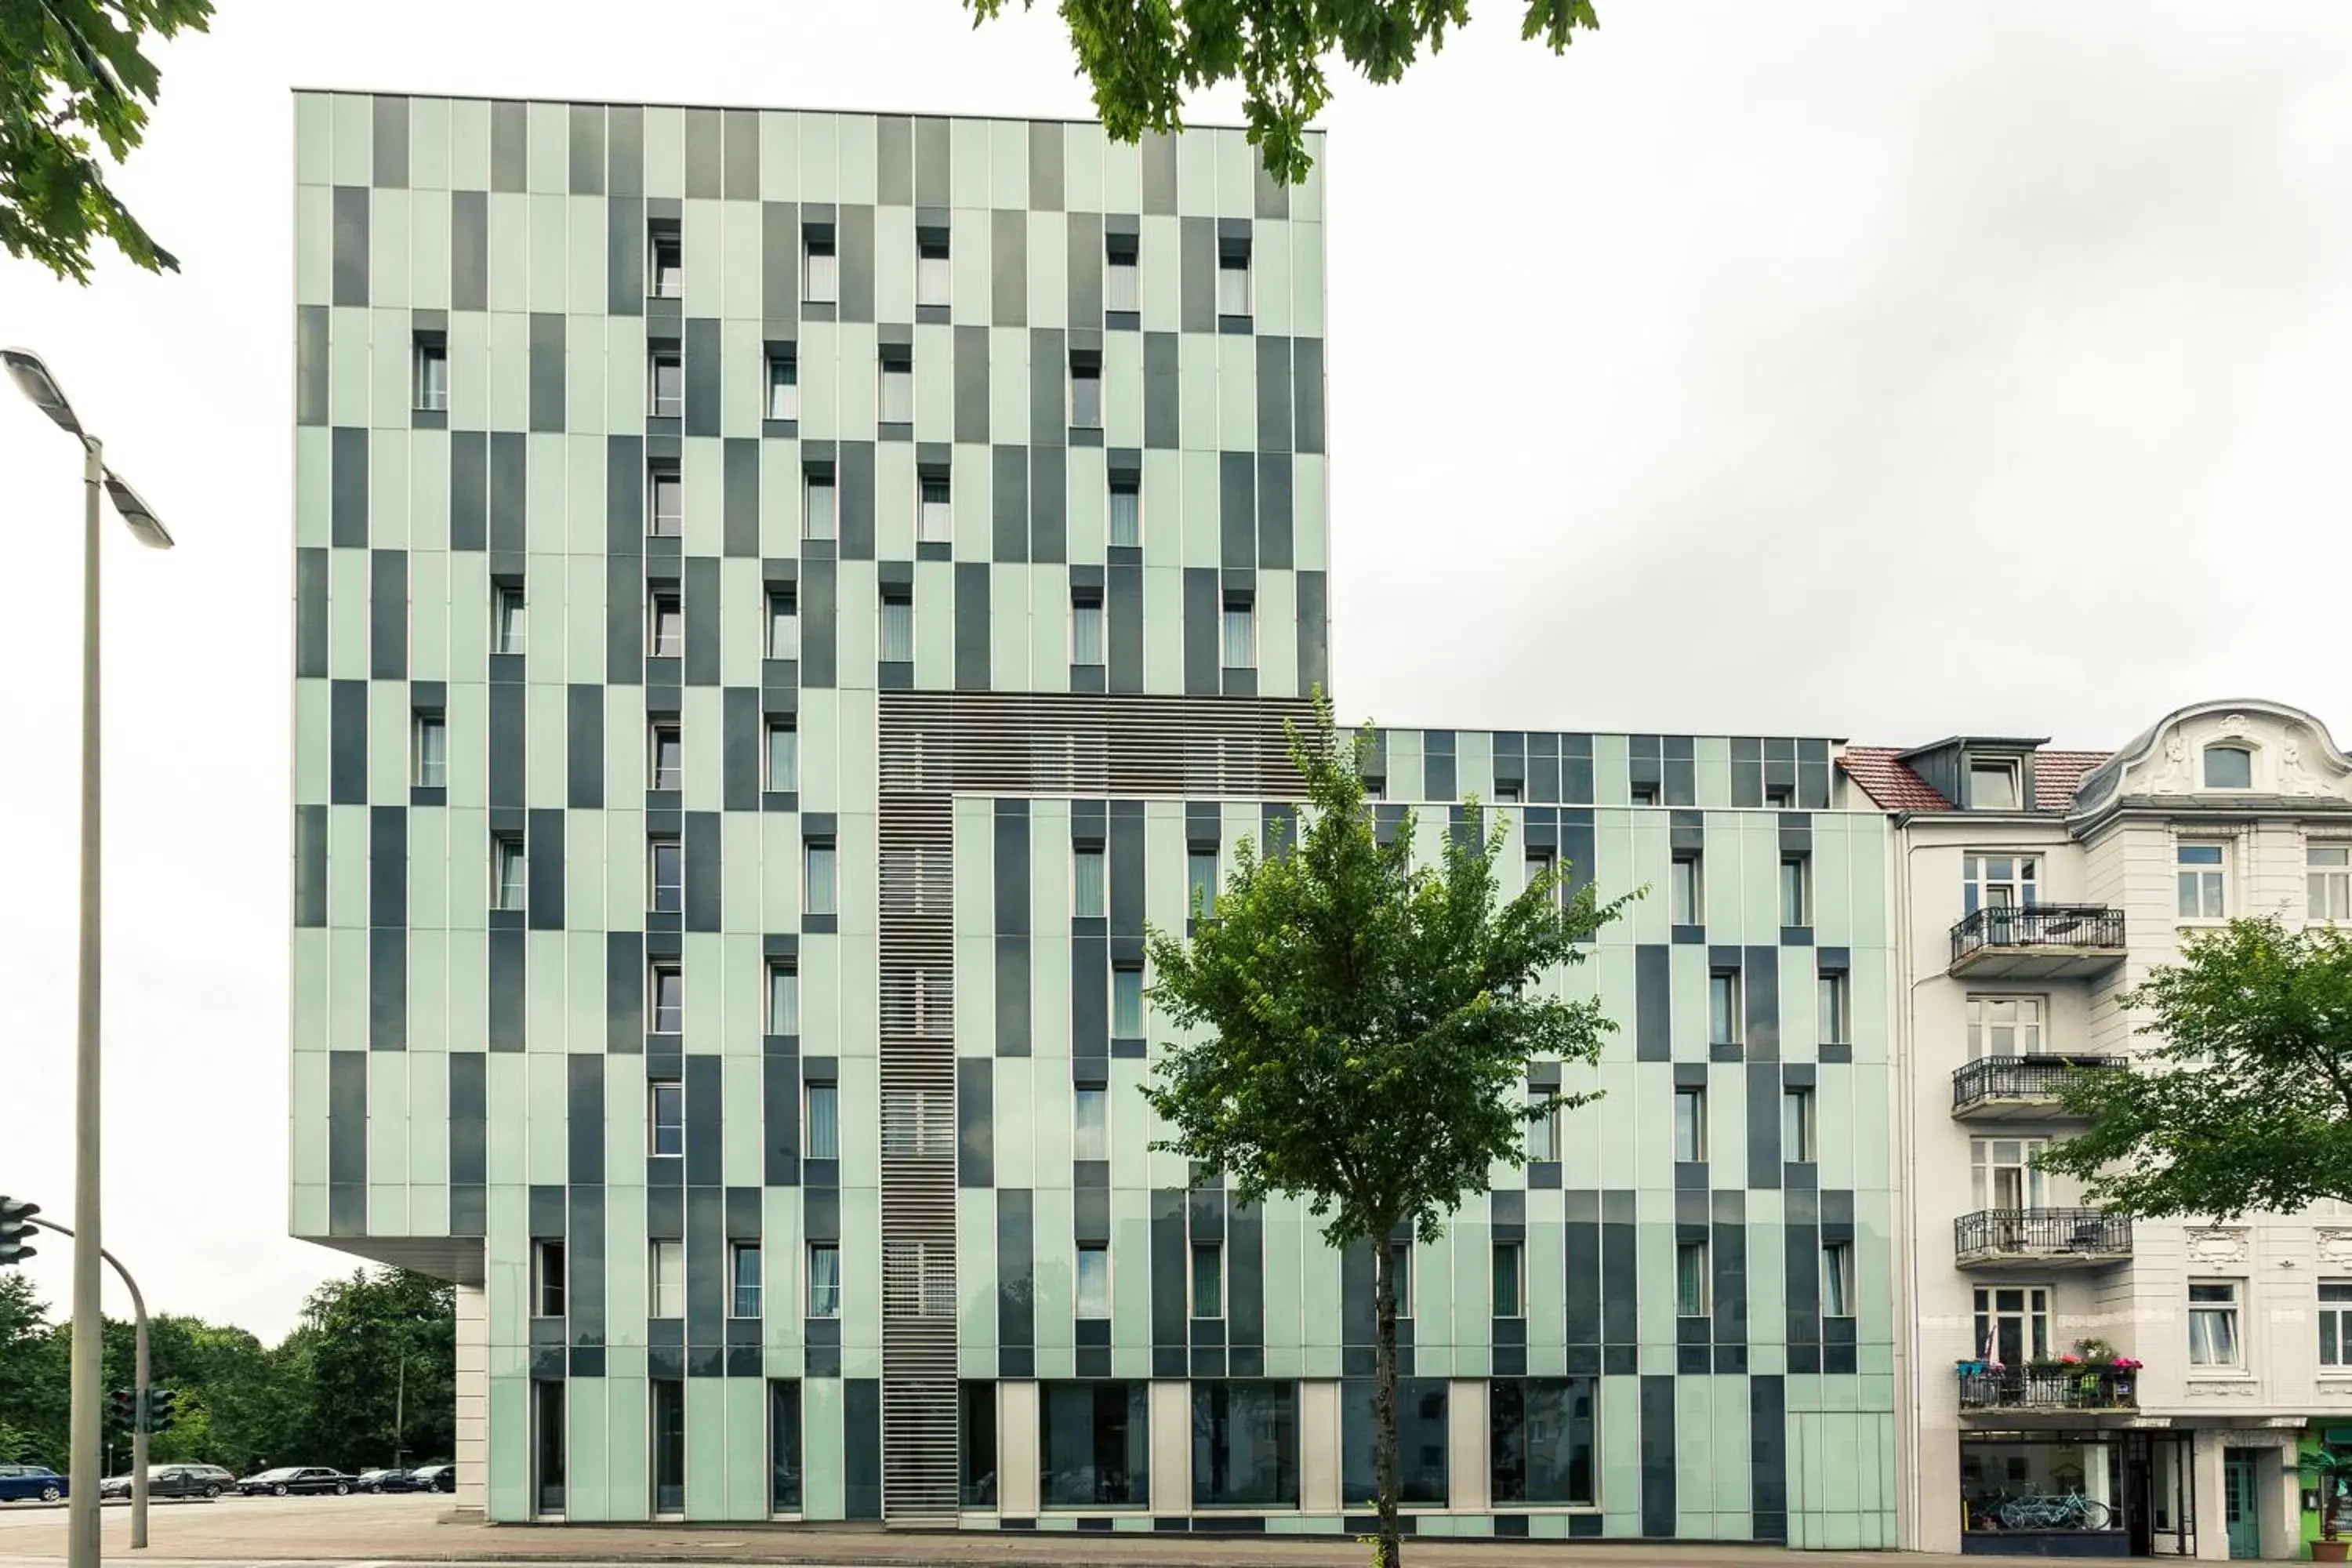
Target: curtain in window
x=783 y=759
x=898 y=630
x=1126 y=515
x=1087 y=632
x=783 y=388
x=1119 y=290
x=824 y=1121
x=2212 y=1336
x=825 y=1282
x=1126 y=1003
x=820 y=889
x=1087 y=880
x=1085 y=397
x=747 y=1281
x=1239 y=644
x=783 y=628
x=937 y=520
x=898 y=393
x=783 y=1001
x=820 y=509
x=1093 y=1282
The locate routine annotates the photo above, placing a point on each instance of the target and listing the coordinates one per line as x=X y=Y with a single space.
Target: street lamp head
x=145 y=526
x=39 y=387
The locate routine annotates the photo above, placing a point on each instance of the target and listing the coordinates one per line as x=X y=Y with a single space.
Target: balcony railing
x=1990 y=1087
x=2081 y=1237
x=2032 y=940
x=2059 y=1389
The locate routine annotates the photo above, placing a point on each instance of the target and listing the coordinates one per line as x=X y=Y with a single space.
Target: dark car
x=388 y=1480
x=434 y=1478
x=30 y=1483
x=174 y=1480
x=287 y=1479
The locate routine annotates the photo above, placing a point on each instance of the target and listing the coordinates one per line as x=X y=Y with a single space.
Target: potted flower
x=2331 y=1466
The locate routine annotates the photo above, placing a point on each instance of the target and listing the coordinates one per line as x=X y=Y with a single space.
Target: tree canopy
x=2243 y=1101
x=1144 y=55
x=73 y=81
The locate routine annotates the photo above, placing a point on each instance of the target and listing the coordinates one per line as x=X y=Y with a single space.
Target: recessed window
x=1200 y=882
x=1094 y=1279
x=1830 y=1009
x=1539 y=1441
x=898 y=625
x=1401 y=1277
x=2002 y=1174
x=1126 y=511
x=508 y=611
x=2013 y=1322
x=1797 y=1125
x=2213 y=1338
x=666 y=999
x=2328 y=881
x=665 y=383
x=666 y=262
x=432 y=355
x=817 y=513
x=2229 y=767
x=1543 y=1128
x=666 y=1279
x=1126 y=1001
x=1537 y=867
x=1234 y=278
x=665 y=616
x=1208 y=1280
x=897 y=391
x=784 y=386
x=1691 y=1280
x=2336 y=1323
x=824 y=1280
x=743 y=1261
x=1086 y=875
x=784 y=623
x=1090 y=1123
x=1085 y=627
x=1122 y=277
x=820 y=271
x=666 y=1117
x=665 y=501
x=1837 y=1279
x=933 y=277
x=547 y=1279
x=1509 y=1280
x=1690 y=1124
x=1642 y=794
x=506 y=871
x=2004 y=1027
x=2202 y=876
x=666 y=874
x=823 y=1118
x=1992 y=785
x=1684 y=891
x=934 y=510
x=1240 y=639
x=1796 y=890
x=2000 y=881
x=783 y=999
x=1722 y=1007
x=783 y=757
x=667 y=762
x=1779 y=797
x=819 y=892
x=1086 y=394
x=429 y=751
x=1506 y=792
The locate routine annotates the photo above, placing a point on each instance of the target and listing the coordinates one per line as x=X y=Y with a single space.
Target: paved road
x=371 y=1531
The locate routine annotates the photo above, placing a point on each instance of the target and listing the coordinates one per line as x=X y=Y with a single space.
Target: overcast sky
x=1862 y=369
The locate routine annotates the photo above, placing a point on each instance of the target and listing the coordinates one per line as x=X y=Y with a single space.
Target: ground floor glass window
x=1095 y=1445
x=669 y=1446
x=976 y=1444
x=2008 y=1484
x=1421 y=1442
x=1245 y=1445
x=1540 y=1440
x=783 y=1446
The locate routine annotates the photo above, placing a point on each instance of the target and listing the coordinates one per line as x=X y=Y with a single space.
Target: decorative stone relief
x=2223 y=1387
x=2296 y=776
x=2333 y=1246
x=2212 y=1247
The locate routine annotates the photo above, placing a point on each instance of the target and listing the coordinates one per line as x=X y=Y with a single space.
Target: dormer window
x=2229 y=767
x=1992 y=783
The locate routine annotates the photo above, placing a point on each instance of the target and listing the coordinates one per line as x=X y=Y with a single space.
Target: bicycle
x=2067 y=1511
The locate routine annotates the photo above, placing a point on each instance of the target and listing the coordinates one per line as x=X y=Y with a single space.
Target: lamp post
x=41 y=389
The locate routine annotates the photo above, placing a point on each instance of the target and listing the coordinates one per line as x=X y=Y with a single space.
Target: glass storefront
x=1245 y=1445
x=2012 y=1485
x=1094 y=1439
x=1539 y=1441
x=1421 y=1442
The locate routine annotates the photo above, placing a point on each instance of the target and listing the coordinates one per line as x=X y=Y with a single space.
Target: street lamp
x=41 y=389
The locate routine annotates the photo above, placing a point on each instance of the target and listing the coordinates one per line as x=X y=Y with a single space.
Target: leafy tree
x=2245 y=1101
x=382 y=1345
x=71 y=73
x=1360 y=1029
x=1144 y=55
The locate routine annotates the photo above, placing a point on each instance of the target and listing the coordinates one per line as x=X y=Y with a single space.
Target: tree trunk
x=1390 y=1552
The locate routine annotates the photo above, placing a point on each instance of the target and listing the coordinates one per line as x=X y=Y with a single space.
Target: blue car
x=30 y=1483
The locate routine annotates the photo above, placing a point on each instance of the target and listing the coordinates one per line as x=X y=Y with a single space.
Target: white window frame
x=784 y=998
x=1089 y=869
x=934 y=271
x=653 y=883
x=893 y=403
x=1543 y=1131
x=811 y=848
x=2231 y=1310
x=2205 y=757
x=1686 y=891
x=2335 y=1312
x=810 y=1090
x=1799 y=1114
x=2035 y=1319
x=820 y=506
x=666 y=1278
x=737 y=1251
x=2327 y=883
x=781 y=780
x=783 y=400
x=934 y=514
x=1087 y=606
x=510 y=619
x=1124 y=484
x=783 y=639
x=656 y=1092
x=2006 y=770
x=1837 y=1279
x=831 y=1308
x=1803 y=889
x=1099 y=1307
x=1142 y=1004
x=1247 y=610
x=1685 y=1307
x=1833 y=1007
x=428 y=769
x=1990 y=1157
x=820 y=269
x=510 y=872
x=1509 y=1261
x=659 y=524
x=666 y=605
x=1727 y=981
x=660 y=238
x=2020 y=887
x=432 y=389
x=895 y=629
x=655 y=973
x=1691 y=1148
x=1096 y=1096
x=542 y=1250
x=657 y=361
x=2203 y=882
x=655 y=733
x=2027 y=1024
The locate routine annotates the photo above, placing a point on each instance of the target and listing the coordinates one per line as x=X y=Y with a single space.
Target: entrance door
x=2240 y=1508
x=547 y=1447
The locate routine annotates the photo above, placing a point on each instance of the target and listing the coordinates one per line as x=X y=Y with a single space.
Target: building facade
x=782 y=601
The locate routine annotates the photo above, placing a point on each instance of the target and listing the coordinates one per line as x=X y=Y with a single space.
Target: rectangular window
x=1543 y=1129
x=1723 y=1016
x=1509 y=1296
x=823 y=1140
x=666 y=1117
x=824 y=1280
x=1126 y=511
x=2336 y=1323
x=785 y=1470
x=1837 y=1279
x=1796 y=890
x=1779 y=797
x=665 y=383
x=1690 y=1125
x=784 y=626
x=433 y=375
x=1086 y=881
x=2202 y=884
x=1537 y=866
x=933 y=278
x=1126 y=1001
x=1797 y=1125
x=1086 y=396
x=1992 y=786
x=819 y=893
x=666 y=1281
x=1094 y=1279
x=1539 y=1441
x=508 y=623
x=1421 y=1440
x=666 y=762
x=820 y=271
x=669 y=1446
x=1200 y=882
x=817 y=516
x=1122 y=279
x=1830 y=1008
x=1094 y=1441
x=2213 y=1323
x=1642 y=794
x=1233 y=278
x=665 y=502
x=898 y=625
x=934 y=519
x=1245 y=1444
x=2328 y=876
x=1241 y=634
x=1208 y=1280
x=2002 y=1175
x=1090 y=1124
x=783 y=999
x=666 y=999
x=2012 y=1323
x=665 y=872
x=666 y=262
x=431 y=748
x=784 y=386
x=547 y=1279
x=744 y=1260
x=1085 y=627
x=2004 y=1027
x=1690 y=1280
x=1400 y=1277
x=506 y=871
x=976 y=1444
x=897 y=391
x=1682 y=891
x=784 y=756
x=666 y=624
x=2000 y=882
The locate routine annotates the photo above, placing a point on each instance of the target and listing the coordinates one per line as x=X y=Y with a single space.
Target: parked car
x=434 y=1478
x=30 y=1483
x=174 y=1480
x=388 y=1480
x=290 y=1478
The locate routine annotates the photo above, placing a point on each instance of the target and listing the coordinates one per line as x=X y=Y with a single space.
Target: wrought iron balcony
x=2048 y=1238
x=2038 y=942
x=2044 y=1388
x=2019 y=1088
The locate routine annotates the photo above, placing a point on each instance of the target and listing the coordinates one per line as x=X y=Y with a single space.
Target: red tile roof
x=2057 y=774
x=1881 y=774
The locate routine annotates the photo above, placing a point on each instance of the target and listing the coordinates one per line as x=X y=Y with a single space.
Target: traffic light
x=122 y=1408
x=17 y=1229
x=160 y=1412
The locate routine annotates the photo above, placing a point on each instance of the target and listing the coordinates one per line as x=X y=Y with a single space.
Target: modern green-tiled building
x=782 y=601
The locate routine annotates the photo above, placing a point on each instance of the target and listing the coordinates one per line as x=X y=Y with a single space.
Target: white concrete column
x=1016 y=1449
x=2278 y=1483
x=2212 y=1510
x=472 y=1455
x=1319 y=1447
x=1469 y=1473
x=1172 y=1448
